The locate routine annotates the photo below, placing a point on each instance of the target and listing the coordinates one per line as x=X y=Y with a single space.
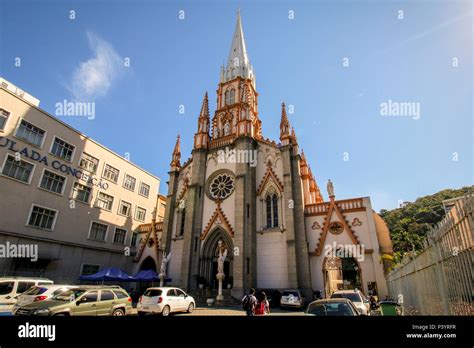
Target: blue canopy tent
x=108 y=274
x=148 y=275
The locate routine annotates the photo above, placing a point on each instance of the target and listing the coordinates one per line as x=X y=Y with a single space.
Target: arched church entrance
x=147 y=264
x=208 y=266
x=341 y=273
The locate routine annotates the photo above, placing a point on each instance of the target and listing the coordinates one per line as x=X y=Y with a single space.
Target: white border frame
x=105 y=193
x=125 y=238
x=91 y=197
x=39 y=228
x=67 y=142
x=123 y=182
x=79 y=162
x=103 y=171
x=135 y=215
x=14 y=134
x=7 y=120
x=149 y=189
x=131 y=208
x=106 y=232
x=41 y=179
x=14 y=179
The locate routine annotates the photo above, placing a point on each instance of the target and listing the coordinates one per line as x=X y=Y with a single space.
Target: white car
x=39 y=293
x=356 y=297
x=292 y=298
x=165 y=300
x=12 y=287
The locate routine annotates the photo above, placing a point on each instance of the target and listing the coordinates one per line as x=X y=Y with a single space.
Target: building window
x=144 y=189
x=42 y=218
x=140 y=214
x=134 y=240
x=3 y=118
x=119 y=236
x=104 y=201
x=81 y=192
x=89 y=163
x=272 y=210
x=90 y=269
x=111 y=173
x=227 y=97
x=30 y=133
x=62 y=149
x=129 y=182
x=232 y=96
x=125 y=208
x=19 y=170
x=52 y=182
x=98 y=232
x=181 y=224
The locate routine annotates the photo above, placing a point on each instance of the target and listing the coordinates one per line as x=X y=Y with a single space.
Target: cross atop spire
x=238 y=63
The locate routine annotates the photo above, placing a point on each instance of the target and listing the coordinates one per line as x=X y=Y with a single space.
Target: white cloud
x=94 y=77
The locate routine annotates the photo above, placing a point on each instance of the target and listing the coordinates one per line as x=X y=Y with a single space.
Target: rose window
x=221 y=186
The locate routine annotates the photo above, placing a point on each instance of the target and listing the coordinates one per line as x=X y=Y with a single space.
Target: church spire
x=284 y=126
x=201 y=138
x=175 y=161
x=238 y=63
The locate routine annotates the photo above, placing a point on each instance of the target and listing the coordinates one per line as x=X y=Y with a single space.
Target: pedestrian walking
x=263 y=306
x=249 y=302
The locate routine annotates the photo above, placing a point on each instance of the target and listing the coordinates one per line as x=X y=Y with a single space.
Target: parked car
x=332 y=307
x=165 y=300
x=292 y=299
x=39 y=293
x=84 y=300
x=357 y=297
x=12 y=287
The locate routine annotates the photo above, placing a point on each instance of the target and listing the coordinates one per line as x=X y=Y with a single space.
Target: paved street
x=231 y=311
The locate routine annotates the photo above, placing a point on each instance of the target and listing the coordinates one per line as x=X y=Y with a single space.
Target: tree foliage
x=409 y=224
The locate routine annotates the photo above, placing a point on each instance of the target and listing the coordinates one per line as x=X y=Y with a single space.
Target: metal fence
x=439 y=280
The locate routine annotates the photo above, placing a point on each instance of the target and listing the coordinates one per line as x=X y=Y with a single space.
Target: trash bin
x=390 y=308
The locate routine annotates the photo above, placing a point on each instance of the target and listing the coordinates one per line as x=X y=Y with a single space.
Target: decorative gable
x=218 y=219
x=269 y=176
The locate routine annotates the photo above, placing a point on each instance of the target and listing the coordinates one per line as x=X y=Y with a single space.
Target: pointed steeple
x=284 y=125
x=238 y=63
x=201 y=138
x=176 y=160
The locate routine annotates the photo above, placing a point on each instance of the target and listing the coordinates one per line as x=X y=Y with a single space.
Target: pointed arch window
x=271 y=203
x=227 y=97
x=232 y=96
x=181 y=224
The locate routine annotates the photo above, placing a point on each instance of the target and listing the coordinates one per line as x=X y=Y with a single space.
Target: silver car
x=292 y=299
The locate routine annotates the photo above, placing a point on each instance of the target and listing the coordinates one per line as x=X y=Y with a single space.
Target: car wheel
x=191 y=307
x=60 y=315
x=118 y=313
x=166 y=311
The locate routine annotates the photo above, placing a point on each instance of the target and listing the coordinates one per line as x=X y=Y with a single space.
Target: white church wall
x=272 y=266
x=174 y=267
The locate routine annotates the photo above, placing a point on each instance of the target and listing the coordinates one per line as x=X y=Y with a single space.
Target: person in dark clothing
x=249 y=302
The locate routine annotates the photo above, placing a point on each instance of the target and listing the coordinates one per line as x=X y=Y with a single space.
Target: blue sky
x=174 y=61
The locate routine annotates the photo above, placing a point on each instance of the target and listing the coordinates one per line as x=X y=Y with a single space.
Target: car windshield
x=288 y=293
x=354 y=297
x=69 y=295
x=330 y=309
x=36 y=290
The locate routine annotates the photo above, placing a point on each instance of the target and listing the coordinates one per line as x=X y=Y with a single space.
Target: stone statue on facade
x=330 y=188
